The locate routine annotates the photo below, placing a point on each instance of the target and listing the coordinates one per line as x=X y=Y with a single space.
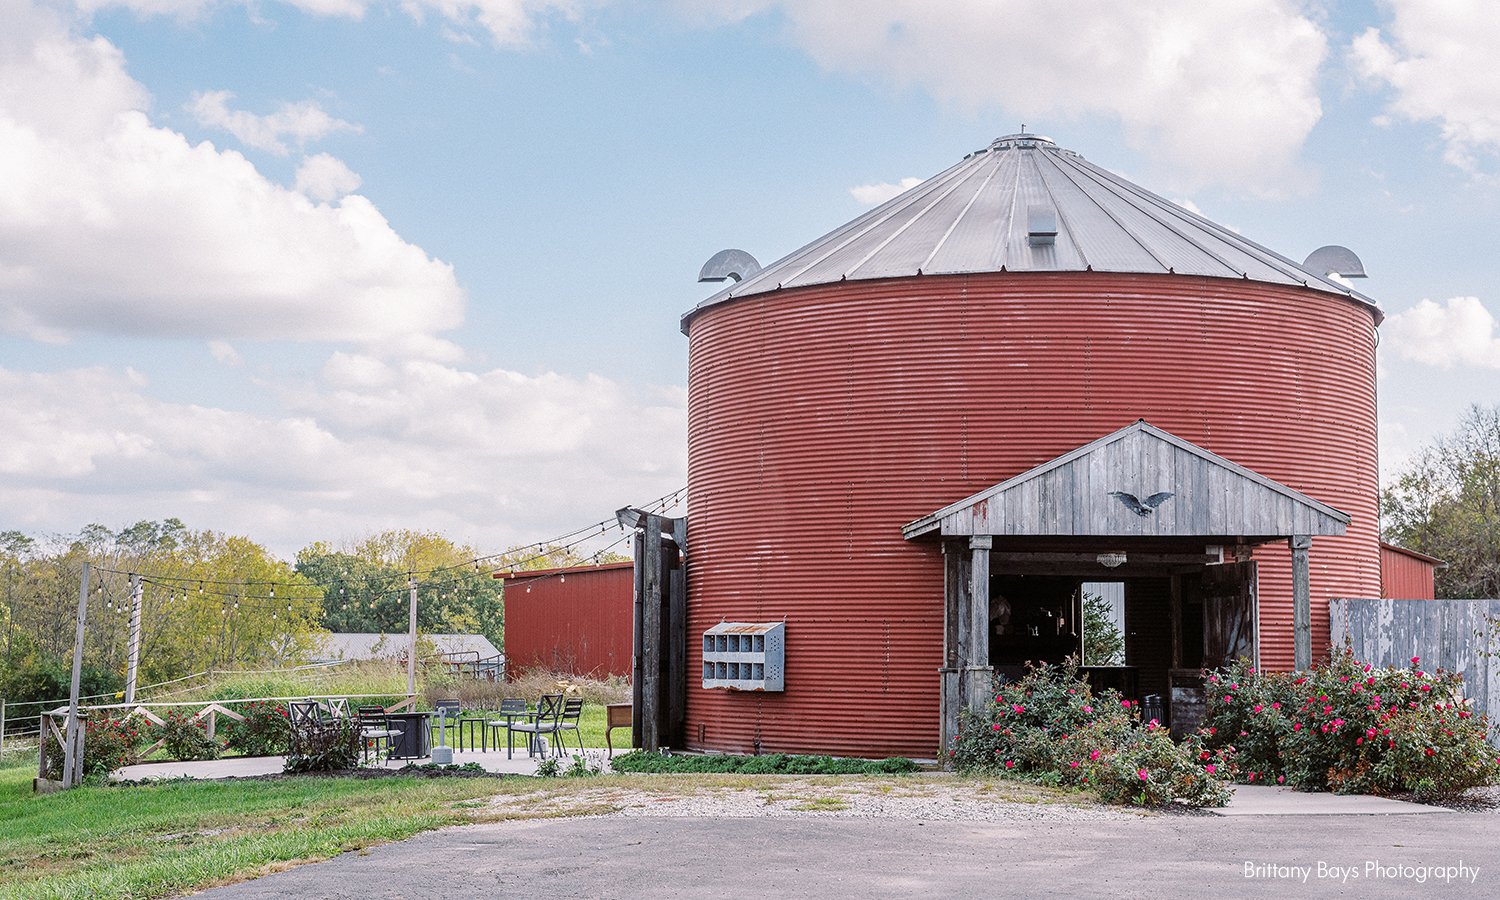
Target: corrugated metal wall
x=1404 y=576
x=577 y=622
x=820 y=420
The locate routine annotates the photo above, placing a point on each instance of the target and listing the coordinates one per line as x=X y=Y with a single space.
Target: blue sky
x=304 y=270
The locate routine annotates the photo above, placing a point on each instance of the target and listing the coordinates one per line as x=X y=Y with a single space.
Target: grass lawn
x=157 y=840
x=167 y=838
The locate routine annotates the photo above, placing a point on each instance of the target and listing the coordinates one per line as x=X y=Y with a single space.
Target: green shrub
x=767 y=764
x=1350 y=728
x=331 y=747
x=1050 y=727
x=264 y=732
x=187 y=739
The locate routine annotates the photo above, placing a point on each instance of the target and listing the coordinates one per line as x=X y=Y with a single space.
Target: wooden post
x=1301 y=603
x=637 y=662
x=72 y=728
x=1177 y=622
x=651 y=628
x=676 y=565
x=411 y=629
x=133 y=666
x=977 y=669
x=955 y=640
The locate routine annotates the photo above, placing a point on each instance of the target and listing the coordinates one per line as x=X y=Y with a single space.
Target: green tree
x=1103 y=644
x=365 y=586
x=1446 y=503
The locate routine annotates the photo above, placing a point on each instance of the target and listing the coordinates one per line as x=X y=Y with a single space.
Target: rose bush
x=186 y=738
x=1050 y=727
x=1349 y=727
x=108 y=744
x=265 y=731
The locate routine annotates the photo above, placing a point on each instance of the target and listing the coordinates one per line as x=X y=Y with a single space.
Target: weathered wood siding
x=1457 y=635
x=1079 y=494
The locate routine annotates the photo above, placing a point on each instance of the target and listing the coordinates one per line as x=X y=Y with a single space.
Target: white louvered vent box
x=745 y=656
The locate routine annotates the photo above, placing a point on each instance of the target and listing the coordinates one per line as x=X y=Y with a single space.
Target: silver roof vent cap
x=1334 y=260
x=729 y=264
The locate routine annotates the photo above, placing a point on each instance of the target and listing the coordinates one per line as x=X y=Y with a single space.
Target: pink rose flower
x=1143 y=774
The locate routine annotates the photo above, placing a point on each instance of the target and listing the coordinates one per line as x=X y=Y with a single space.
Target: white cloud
x=224 y=352
x=505 y=457
x=109 y=223
x=325 y=178
x=1461 y=332
x=1222 y=92
x=1438 y=61
x=302 y=122
x=507 y=23
x=876 y=194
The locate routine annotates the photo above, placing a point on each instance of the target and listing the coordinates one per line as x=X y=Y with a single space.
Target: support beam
x=411 y=635
x=638 y=644
x=979 y=677
x=70 y=757
x=1301 y=603
x=649 y=562
x=966 y=679
x=133 y=665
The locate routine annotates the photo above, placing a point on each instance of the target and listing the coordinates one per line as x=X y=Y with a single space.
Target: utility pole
x=137 y=590
x=411 y=652
x=70 y=738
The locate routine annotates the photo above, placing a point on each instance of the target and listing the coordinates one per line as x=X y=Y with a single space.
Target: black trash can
x=1151 y=709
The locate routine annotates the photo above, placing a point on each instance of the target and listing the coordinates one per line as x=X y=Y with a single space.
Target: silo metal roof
x=990 y=213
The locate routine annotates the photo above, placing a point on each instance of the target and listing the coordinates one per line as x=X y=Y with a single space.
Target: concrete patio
x=250 y=766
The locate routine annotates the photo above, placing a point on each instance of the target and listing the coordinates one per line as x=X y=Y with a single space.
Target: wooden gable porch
x=1139 y=504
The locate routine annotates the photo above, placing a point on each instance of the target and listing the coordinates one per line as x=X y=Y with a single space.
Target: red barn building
x=921 y=441
x=573 y=621
x=1406 y=574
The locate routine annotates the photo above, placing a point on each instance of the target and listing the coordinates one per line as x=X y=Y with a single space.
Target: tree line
x=217 y=601
x=1446 y=504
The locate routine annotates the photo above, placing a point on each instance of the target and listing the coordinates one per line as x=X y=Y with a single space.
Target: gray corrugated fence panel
x=1460 y=636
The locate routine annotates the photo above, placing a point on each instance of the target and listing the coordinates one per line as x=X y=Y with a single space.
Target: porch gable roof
x=1139 y=481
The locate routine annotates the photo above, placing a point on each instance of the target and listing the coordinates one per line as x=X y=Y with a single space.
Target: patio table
x=536 y=739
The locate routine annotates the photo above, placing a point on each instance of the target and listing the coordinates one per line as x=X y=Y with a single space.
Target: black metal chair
x=303 y=716
x=375 y=729
x=545 y=721
x=568 y=721
x=510 y=707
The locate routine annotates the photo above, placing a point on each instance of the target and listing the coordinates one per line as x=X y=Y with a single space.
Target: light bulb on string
x=273 y=592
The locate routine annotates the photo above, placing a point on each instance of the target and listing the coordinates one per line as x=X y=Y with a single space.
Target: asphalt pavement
x=1454 y=855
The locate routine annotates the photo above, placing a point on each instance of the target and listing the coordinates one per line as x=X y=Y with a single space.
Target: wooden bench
x=616 y=715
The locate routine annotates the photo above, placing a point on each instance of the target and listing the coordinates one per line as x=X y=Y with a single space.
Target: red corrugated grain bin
x=1006 y=312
